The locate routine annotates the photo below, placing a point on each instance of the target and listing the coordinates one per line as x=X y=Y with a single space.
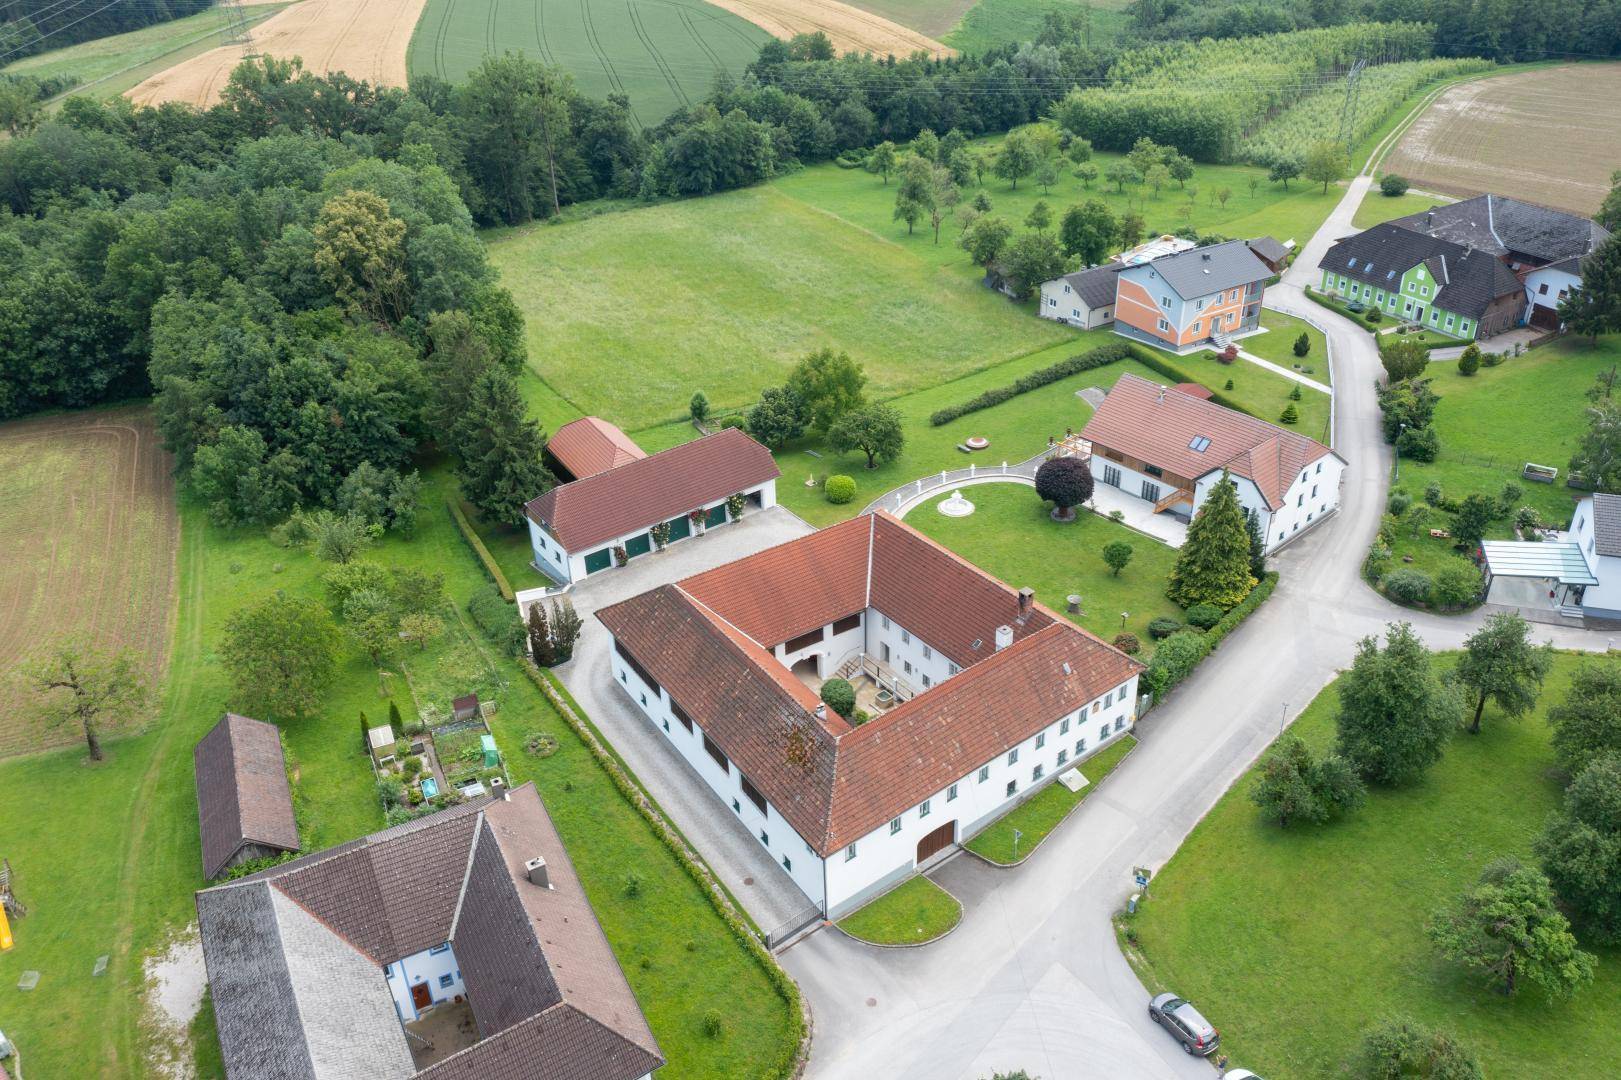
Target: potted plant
x=696 y=518
x=734 y=507
x=621 y=556
x=661 y=534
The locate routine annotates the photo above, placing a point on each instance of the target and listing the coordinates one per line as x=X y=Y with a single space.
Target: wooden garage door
x=1544 y=317
x=936 y=841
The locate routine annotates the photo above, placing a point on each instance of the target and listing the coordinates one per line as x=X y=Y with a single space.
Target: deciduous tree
x=1066 y=482
x=1293 y=786
x=778 y=417
x=1501 y=665
x=1587 y=723
x=1116 y=555
x=1283 y=170
x=1399 y=1047
x=1324 y=164
x=360 y=251
x=1395 y=713
x=882 y=160
x=830 y=384
x=1029 y=259
x=1087 y=232
x=1017 y=158
x=74 y=682
x=1508 y=928
x=876 y=431
x=1580 y=850
x=280 y=654
x=985 y=239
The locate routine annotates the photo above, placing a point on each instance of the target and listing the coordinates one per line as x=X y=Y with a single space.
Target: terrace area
x=444 y=1030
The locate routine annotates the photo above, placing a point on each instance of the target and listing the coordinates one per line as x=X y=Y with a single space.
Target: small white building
x=1169 y=448
x=575 y=528
x=976 y=695
x=1577 y=573
x=1084 y=299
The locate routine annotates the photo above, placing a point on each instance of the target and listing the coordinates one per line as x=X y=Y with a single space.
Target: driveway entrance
x=936 y=842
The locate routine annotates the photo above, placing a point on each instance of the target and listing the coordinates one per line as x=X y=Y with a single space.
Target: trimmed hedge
x=499 y=620
x=695 y=868
x=465 y=527
x=1035 y=380
x=1157 y=364
x=1180 y=653
x=839 y=489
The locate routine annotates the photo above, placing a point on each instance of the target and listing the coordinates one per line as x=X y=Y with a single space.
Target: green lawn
x=1278 y=345
x=1010 y=537
x=990 y=23
x=662 y=55
x=1528 y=408
x=108 y=66
x=1262 y=926
x=912 y=913
x=1041 y=814
x=1256 y=390
x=122 y=883
x=1377 y=207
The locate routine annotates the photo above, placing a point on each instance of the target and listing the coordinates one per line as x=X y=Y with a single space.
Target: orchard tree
x=914 y=195
x=1047 y=176
x=77 y=683
x=1156 y=177
x=1213 y=564
x=1040 y=217
x=1121 y=173
x=778 y=417
x=1086 y=173
x=1324 y=164
x=881 y=160
x=1587 y=724
x=1580 y=850
x=830 y=384
x=1087 y=232
x=985 y=239
x=1508 y=928
x=1131 y=229
x=1295 y=787
x=1116 y=554
x=1501 y=665
x=1029 y=259
x=1066 y=482
x=280 y=654
x=1395 y=713
x=876 y=431
x=1181 y=168
x=1475 y=515
x=1017 y=158
x=1284 y=169
x=1398 y=1047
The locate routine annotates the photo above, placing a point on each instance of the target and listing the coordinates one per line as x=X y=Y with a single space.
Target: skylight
x=1199 y=443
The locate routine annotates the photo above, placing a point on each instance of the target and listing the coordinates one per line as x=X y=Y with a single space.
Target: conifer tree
x=500 y=450
x=540 y=636
x=1213 y=566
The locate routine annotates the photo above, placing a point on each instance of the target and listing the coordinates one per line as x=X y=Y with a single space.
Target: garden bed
x=915 y=912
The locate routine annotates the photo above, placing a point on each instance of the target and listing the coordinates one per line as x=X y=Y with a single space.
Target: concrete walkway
x=900 y=500
x=1279 y=369
x=1033 y=978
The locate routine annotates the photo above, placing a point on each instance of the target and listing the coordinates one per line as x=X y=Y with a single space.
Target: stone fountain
x=956 y=506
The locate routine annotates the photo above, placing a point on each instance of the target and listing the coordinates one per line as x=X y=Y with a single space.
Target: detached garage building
x=575 y=527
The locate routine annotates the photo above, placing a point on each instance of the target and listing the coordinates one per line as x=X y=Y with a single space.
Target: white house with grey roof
x=1576 y=573
x=1084 y=299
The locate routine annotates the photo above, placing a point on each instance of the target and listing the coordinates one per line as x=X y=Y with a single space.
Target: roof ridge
x=281 y=951
x=467 y=873
x=706 y=609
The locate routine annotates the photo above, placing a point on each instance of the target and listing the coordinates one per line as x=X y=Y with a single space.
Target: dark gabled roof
x=1145 y=420
x=242 y=792
x=831 y=782
x=1268 y=248
x=639 y=494
x=295 y=954
x=1607 y=524
x=1506 y=226
x=1469 y=280
x=1205 y=270
x=1095 y=287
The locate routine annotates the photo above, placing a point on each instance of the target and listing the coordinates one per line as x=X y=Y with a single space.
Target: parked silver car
x=1196 y=1034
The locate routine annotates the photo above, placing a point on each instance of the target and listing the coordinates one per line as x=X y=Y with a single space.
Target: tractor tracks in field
x=652 y=51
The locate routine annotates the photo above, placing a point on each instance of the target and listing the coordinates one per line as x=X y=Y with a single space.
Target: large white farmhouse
x=1169 y=448
x=979 y=696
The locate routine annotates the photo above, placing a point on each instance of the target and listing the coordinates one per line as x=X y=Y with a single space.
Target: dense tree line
x=31 y=26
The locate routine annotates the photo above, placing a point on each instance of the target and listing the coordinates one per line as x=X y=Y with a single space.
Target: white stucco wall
x=1558 y=283
x=428 y=967
x=1604 y=598
x=830 y=651
x=910 y=657
x=1059 y=301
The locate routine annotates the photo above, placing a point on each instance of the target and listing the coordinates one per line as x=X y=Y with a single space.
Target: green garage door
x=680 y=528
x=598 y=560
x=717 y=515
x=639 y=545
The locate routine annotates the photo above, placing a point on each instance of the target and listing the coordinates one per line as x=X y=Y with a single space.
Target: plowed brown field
x=1549 y=136
x=366 y=39
x=851 y=29
x=88 y=531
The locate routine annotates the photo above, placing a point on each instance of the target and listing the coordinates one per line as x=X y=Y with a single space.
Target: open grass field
x=1528 y=408
x=1010 y=536
x=1550 y=136
x=88 y=528
x=1377 y=209
x=111 y=866
x=367 y=39
x=990 y=23
x=106 y=67
x=913 y=912
x=662 y=53
x=1293 y=942
x=932 y=17
x=1040 y=814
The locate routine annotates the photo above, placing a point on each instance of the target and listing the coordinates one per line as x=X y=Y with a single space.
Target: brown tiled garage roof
x=834 y=783
x=1141 y=419
x=242 y=792
x=591 y=445
x=642 y=493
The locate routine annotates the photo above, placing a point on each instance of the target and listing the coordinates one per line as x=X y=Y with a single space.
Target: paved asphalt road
x=1033 y=979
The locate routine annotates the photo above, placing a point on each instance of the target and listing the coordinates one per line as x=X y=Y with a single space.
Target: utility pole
x=1353 y=88
x=238 y=30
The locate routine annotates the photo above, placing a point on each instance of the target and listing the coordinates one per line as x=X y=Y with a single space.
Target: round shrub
x=839 y=696
x=1419 y=444
x=1433 y=494
x=1457 y=584
x=839 y=489
x=1066 y=482
x=1376 y=315
x=1398 y=503
x=1162 y=628
x=1527 y=519
x=1128 y=643
x=1204 y=616
x=1392 y=186
x=1407 y=586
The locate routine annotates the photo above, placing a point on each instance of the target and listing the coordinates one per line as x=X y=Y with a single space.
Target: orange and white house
x=1192 y=300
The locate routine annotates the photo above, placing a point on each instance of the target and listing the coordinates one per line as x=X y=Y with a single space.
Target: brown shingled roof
x=696 y=638
x=1140 y=418
x=591 y=445
x=242 y=792
x=642 y=493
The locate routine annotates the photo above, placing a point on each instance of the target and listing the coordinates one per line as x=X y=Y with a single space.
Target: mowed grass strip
x=1043 y=812
x=663 y=54
x=1295 y=941
x=108 y=858
x=628 y=314
x=913 y=912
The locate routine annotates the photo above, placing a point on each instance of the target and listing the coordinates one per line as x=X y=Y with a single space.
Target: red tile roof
x=1193 y=389
x=1139 y=418
x=642 y=493
x=591 y=445
x=702 y=639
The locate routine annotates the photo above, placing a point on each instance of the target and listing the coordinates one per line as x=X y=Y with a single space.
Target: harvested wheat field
x=366 y=39
x=851 y=29
x=1550 y=136
x=89 y=530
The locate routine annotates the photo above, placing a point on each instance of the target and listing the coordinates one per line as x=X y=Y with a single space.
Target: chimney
x=536 y=870
x=821 y=711
x=1004 y=637
x=1429 y=219
x=1026 y=595
x=1161 y=399
x=1205 y=257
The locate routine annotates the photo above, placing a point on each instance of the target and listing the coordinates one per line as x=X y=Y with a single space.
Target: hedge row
x=465 y=527
x=1153 y=362
x=695 y=868
x=1035 y=380
x=1179 y=654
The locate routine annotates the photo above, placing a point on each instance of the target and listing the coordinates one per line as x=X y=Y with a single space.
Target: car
x=1196 y=1034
